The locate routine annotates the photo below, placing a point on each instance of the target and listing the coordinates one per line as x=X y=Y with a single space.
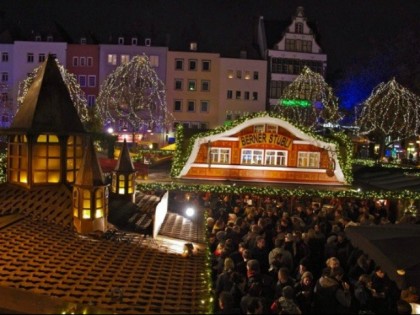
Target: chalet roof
x=47 y=106
x=90 y=172
x=125 y=164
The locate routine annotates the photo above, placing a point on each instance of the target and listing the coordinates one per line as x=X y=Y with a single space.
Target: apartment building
x=288 y=47
x=123 y=49
x=242 y=87
x=193 y=84
x=6 y=77
x=83 y=62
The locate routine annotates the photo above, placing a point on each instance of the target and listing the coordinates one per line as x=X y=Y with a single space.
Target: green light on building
x=301 y=103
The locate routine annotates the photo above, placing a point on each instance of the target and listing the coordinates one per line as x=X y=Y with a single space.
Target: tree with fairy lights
x=390 y=113
x=309 y=101
x=6 y=111
x=77 y=95
x=134 y=97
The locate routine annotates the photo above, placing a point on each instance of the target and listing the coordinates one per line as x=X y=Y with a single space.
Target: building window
x=75 y=61
x=74 y=157
x=204 y=106
x=276 y=157
x=299 y=28
x=247 y=75
x=124 y=59
x=220 y=155
x=134 y=41
x=49 y=38
x=4 y=76
x=82 y=61
x=255 y=96
x=46 y=159
x=91 y=100
x=17 y=171
x=83 y=40
x=120 y=40
x=229 y=94
x=252 y=156
x=271 y=128
x=154 y=61
x=37 y=38
x=4 y=57
x=82 y=80
x=259 y=128
x=178 y=84
x=112 y=59
x=177 y=106
x=89 y=61
x=238 y=74
x=192 y=85
x=30 y=57
x=307 y=46
x=179 y=64
x=246 y=95
x=92 y=80
x=205 y=85
x=308 y=159
x=41 y=57
x=206 y=65
x=256 y=75
x=238 y=95
x=191 y=106
x=192 y=64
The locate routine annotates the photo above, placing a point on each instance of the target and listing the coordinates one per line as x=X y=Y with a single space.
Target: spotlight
x=190 y=212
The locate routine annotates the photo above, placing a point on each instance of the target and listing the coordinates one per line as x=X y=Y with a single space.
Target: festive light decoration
x=6 y=112
x=135 y=95
x=283 y=192
x=77 y=95
x=3 y=166
x=302 y=103
x=391 y=111
x=309 y=86
x=340 y=139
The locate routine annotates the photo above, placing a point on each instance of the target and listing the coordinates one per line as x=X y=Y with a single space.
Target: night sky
x=349 y=29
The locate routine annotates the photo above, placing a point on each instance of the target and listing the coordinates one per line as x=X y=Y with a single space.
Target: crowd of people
x=271 y=256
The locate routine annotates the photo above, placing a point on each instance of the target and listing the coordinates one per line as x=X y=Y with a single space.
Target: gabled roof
x=125 y=164
x=47 y=106
x=267 y=119
x=90 y=172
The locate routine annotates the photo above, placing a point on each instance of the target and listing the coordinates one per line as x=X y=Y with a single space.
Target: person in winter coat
x=331 y=295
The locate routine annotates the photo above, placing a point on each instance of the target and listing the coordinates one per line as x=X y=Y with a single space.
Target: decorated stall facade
x=265 y=149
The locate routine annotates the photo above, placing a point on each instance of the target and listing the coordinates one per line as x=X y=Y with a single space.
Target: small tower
x=46 y=136
x=90 y=195
x=124 y=176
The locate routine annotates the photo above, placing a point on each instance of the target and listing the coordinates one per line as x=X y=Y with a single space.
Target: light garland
x=77 y=95
x=134 y=94
x=390 y=111
x=3 y=166
x=310 y=86
x=284 y=192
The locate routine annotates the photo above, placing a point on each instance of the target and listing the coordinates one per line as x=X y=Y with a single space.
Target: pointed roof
x=125 y=164
x=90 y=172
x=47 y=106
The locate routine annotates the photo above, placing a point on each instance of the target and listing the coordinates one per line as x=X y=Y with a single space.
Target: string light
x=309 y=86
x=3 y=165
x=77 y=95
x=390 y=111
x=135 y=95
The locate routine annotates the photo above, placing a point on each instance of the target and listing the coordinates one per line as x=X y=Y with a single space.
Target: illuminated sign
x=301 y=103
x=264 y=138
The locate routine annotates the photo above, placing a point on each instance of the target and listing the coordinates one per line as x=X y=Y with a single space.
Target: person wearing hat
x=305 y=292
